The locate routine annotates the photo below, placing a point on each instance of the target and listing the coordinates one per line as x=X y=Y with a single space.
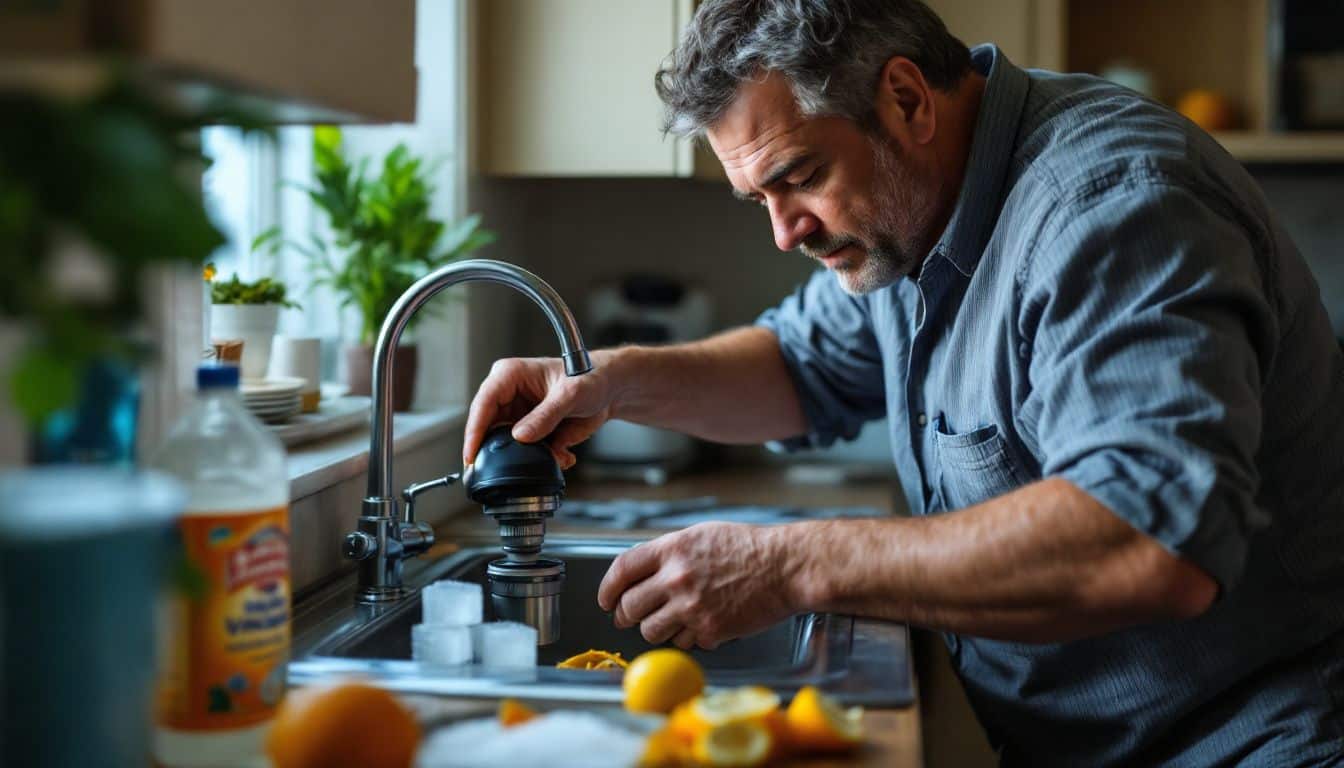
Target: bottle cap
x=213 y=376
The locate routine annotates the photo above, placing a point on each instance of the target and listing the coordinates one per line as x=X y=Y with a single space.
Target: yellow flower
x=209 y=272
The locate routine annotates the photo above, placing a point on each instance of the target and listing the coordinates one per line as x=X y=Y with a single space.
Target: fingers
x=639 y=601
x=498 y=390
x=685 y=639
x=548 y=414
x=633 y=566
x=571 y=432
x=662 y=626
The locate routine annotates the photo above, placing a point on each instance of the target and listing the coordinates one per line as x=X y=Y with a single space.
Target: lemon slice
x=513 y=712
x=594 y=659
x=735 y=745
x=817 y=722
x=735 y=705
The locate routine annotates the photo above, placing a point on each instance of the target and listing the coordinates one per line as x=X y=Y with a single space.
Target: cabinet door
x=1029 y=31
x=298 y=60
x=567 y=87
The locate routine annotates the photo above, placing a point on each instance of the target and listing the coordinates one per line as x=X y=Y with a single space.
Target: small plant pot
x=254 y=325
x=359 y=373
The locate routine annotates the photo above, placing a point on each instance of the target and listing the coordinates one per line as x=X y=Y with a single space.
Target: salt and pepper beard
x=896 y=207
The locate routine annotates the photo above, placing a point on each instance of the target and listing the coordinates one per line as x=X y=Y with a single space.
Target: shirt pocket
x=973 y=466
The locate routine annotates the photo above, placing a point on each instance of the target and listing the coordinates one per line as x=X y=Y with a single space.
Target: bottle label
x=225 y=667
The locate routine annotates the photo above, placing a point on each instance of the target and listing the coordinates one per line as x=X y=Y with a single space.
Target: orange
x=513 y=712
x=665 y=749
x=659 y=680
x=818 y=723
x=593 y=659
x=1209 y=110
x=345 y=724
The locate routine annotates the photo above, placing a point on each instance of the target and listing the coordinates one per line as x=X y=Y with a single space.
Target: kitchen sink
x=859 y=661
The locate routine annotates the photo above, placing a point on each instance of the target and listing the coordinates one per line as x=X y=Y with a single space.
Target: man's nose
x=791 y=225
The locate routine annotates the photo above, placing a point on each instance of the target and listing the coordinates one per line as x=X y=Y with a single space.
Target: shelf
x=1267 y=147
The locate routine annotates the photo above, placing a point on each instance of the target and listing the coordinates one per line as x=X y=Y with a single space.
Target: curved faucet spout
x=380 y=498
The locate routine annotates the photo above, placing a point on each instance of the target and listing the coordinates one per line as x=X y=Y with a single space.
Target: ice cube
x=505 y=644
x=457 y=603
x=441 y=644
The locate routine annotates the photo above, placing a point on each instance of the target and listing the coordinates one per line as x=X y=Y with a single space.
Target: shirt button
x=922 y=419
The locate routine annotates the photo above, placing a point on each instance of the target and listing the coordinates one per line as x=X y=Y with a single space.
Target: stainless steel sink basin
x=859 y=661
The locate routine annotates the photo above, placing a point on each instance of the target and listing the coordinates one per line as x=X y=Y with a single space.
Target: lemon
x=659 y=680
x=734 y=745
x=817 y=722
x=593 y=659
x=735 y=705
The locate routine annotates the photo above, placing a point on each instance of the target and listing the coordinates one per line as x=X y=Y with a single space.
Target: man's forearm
x=730 y=388
x=1042 y=564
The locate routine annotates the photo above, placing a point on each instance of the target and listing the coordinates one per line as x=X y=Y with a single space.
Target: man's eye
x=811 y=180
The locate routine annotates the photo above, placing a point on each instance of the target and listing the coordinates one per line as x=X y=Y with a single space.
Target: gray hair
x=831 y=51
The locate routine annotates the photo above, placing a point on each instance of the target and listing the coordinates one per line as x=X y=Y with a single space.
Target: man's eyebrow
x=776 y=175
x=785 y=168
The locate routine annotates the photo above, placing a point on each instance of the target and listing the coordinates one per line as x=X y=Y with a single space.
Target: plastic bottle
x=229 y=620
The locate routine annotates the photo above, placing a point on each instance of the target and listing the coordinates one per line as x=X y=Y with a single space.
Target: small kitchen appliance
x=643 y=309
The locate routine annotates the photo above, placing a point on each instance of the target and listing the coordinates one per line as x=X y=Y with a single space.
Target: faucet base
x=376 y=595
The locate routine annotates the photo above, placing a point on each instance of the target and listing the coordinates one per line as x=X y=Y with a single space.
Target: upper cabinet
x=566 y=88
x=1030 y=32
x=295 y=61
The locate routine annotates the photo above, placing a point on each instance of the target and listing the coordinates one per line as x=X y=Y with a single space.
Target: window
x=255 y=184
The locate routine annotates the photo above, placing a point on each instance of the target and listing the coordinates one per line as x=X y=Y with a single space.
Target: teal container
x=100 y=428
x=85 y=555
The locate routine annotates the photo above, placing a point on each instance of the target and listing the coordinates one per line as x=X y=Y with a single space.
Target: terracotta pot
x=359 y=373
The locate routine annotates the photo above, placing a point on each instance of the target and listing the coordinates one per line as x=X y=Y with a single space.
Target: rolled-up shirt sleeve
x=827 y=342
x=1151 y=330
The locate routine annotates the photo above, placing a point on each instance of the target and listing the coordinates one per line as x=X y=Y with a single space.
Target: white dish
x=333 y=417
x=272 y=386
x=261 y=402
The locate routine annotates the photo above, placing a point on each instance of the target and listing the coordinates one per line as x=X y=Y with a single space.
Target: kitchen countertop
x=893 y=734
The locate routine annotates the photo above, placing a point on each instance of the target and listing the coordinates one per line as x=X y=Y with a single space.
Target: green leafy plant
x=100 y=174
x=263 y=291
x=381 y=226
x=266 y=290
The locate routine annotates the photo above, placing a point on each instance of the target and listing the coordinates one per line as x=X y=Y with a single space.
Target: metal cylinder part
x=528 y=592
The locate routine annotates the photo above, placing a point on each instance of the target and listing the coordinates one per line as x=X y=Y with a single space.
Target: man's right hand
x=544 y=403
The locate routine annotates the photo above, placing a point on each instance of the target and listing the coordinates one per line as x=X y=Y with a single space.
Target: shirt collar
x=992 y=148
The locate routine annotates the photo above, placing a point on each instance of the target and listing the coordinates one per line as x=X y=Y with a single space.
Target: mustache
x=817 y=246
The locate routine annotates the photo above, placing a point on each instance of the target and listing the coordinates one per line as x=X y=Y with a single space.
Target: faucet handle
x=415 y=489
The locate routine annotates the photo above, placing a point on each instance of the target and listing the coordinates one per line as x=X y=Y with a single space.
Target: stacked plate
x=273 y=400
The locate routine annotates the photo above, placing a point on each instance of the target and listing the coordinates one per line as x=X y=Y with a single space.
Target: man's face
x=842 y=195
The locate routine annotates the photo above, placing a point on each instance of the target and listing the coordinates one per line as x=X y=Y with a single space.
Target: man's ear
x=904 y=102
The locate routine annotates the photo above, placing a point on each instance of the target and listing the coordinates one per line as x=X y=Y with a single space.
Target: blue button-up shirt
x=1113 y=303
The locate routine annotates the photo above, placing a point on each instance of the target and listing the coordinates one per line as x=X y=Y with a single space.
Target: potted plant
x=92 y=198
x=248 y=312
x=383 y=239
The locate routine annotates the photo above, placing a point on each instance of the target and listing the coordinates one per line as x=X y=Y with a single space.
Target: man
x=1114 y=398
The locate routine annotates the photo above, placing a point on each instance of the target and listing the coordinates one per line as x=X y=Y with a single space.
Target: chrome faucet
x=382 y=541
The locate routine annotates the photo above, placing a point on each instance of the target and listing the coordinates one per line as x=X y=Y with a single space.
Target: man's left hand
x=703 y=585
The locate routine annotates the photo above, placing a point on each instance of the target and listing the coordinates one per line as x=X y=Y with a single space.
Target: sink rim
x=860 y=661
